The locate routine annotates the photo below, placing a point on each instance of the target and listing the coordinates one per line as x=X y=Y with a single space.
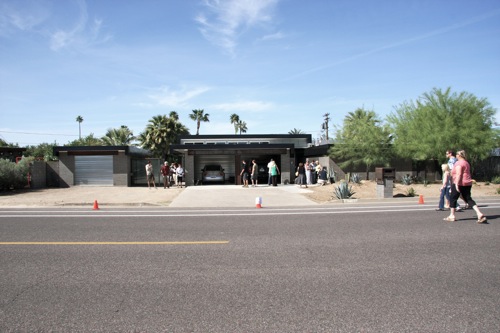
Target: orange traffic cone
x=258 y=202
x=96 y=206
x=421 y=199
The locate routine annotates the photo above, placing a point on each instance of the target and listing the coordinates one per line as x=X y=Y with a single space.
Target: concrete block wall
x=66 y=170
x=121 y=169
x=38 y=174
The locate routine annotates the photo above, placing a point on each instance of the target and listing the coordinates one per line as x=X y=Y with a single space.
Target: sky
x=278 y=64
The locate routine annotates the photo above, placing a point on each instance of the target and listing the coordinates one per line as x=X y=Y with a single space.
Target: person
x=451 y=162
x=244 y=173
x=270 y=177
x=255 y=173
x=173 y=168
x=307 y=165
x=312 y=167
x=322 y=176
x=180 y=175
x=275 y=171
x=301 y=169
x=461 y=179
x=150 y=175
x=165 y=171
x=445 y=188
x=317 y=170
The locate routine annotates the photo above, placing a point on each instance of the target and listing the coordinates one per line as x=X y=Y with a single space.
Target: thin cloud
x=410 y=40
x=255 y=106
x=82 y=34
x=14 y=16
x=165 y=96
x=276 y=36
x=225 y=20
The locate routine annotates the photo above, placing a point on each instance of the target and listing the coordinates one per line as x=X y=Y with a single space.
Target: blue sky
x=278 y=64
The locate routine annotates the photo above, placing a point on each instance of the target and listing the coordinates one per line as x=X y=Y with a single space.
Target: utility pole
x=325 y=124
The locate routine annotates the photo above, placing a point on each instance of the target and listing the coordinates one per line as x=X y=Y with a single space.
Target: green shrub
x=12 y=175
x=355 y=178
x=406 y=180
x=410 y=192
x=498 y=190
x=343 y=191
x=496 y=180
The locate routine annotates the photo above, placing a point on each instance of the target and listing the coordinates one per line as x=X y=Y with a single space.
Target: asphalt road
x=352 y=268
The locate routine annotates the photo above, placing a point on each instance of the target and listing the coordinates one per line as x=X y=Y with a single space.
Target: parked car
x=213 y=173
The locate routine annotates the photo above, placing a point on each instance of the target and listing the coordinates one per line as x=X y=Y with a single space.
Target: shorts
x=245 y=176
x=151 y=177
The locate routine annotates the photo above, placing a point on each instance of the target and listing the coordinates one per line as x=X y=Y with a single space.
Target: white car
x=213 y=173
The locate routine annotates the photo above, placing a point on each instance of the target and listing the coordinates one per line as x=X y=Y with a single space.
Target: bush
x=406 y=180
x=498 y=190
x=355 y=178
x=410 y=192
x=496 y=180
x=343 y=191
x=12 y=175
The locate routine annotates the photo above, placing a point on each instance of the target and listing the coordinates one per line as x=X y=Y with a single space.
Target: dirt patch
x=367 y=190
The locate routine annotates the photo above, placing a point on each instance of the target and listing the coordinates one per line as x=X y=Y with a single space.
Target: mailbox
x=381 y=174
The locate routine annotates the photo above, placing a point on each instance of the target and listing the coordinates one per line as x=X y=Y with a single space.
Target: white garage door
x=94 y=170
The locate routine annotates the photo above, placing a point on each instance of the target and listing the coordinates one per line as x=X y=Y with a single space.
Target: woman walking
x=445 y=189
x=302 y=175
x=461 y=185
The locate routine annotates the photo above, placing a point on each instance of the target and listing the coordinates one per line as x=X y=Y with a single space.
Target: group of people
x=457 y=183
x=309 y=173
x=173 y=172
x=251 y=173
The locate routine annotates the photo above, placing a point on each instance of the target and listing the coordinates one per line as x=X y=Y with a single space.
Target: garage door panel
x=94 y=170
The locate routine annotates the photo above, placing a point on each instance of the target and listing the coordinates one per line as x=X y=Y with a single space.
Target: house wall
x=38 y=174
x=52 y=174
x=121 y=169
x=66 y=170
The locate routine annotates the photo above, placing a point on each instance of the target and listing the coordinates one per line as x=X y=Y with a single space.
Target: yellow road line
x=116 y=243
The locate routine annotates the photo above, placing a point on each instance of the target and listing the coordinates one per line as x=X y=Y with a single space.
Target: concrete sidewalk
x=193 y=196
x=236 y=196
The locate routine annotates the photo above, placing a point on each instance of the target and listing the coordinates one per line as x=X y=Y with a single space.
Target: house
x=101 y=165
x=196 y=151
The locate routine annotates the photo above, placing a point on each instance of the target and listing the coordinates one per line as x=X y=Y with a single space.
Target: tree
x=234 y=118
x=161 y=132
x=296 y=131
x=79 y=119
x=242 y=126
x=442 y=120
x=122 y=136
x=89 y=140
x=43 y=150
x=363 y=140
x=199 y=116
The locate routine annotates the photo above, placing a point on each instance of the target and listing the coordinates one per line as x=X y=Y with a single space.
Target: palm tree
x=161 y=132
x=242 y=126
x=79 y=119
x=234 y=120
x=199 y=116
x=296 y=131
x=122 y=136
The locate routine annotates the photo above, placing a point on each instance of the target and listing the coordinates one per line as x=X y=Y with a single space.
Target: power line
x=38 y=133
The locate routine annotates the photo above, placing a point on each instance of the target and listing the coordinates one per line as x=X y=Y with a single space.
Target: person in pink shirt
x=461 y=185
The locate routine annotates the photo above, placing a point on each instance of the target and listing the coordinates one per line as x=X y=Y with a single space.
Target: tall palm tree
x=199 y=116
x=79 y=119
x=122 y=136
x=161 y=132
x=234 y=118
x=296 y=131
x=242 y=126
